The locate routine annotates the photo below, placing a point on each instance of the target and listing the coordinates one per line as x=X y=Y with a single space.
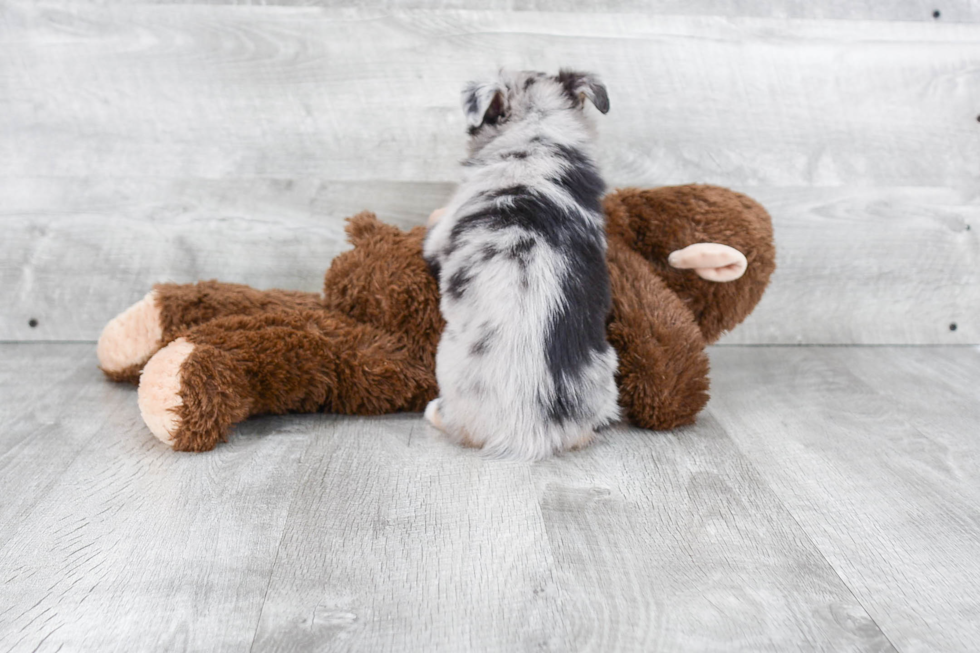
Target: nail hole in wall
x=32 y=323
x=952 y=327
x=936 y=14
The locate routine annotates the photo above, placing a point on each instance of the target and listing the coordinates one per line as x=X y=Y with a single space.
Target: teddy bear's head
x=655 y=222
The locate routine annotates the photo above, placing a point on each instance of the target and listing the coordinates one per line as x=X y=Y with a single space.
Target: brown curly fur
x=183 y=306
x=367 y=346
x=129 y=374
x=663 y=370
x=659 y=221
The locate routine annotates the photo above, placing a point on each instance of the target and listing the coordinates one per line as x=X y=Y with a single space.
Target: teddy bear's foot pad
x=711 y=261
x=159 y=391
x=130 y=338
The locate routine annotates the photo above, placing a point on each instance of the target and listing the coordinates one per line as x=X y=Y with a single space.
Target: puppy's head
x=514 y=97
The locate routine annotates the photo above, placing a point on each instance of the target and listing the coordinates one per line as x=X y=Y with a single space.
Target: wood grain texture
x=708 y=560
x=400 y=541
x=219 y=91
x=41 y=385
x=856 y=265
x=870 y=266
x=150 y=143
x=874 y=452
x=111 y=542
x=827 y=501
x=910 y=10
x=78 y=251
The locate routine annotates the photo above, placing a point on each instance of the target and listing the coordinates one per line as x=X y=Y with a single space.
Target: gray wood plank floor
x=828 y=500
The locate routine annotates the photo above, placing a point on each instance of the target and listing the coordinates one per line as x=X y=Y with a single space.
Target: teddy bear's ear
x=366 y=225
x=361 y=226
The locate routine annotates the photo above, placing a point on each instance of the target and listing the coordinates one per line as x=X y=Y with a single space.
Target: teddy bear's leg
x=129 y=339
x=697 y=237
x=663 y=369
x=194 y=390
x=159 y=392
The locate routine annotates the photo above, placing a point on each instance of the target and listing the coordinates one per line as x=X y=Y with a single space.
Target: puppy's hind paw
x=432 y=414
x=584 y=441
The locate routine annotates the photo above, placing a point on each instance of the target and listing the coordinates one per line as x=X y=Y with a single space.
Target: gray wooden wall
x=172 y=141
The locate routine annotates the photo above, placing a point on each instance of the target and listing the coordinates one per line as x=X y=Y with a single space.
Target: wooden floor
x=828 y=499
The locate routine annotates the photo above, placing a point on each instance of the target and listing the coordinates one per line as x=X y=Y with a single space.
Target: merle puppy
x=523 y=365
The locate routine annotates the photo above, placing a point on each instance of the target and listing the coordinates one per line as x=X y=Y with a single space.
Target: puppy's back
x=523 y=365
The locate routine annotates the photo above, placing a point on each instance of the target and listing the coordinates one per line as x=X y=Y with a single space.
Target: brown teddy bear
x=208 y=355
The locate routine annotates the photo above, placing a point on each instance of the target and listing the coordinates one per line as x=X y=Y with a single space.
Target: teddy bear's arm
x=194 y=390
x=663 y=370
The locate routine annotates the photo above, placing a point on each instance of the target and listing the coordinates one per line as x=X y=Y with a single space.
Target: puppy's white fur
x=523 y=366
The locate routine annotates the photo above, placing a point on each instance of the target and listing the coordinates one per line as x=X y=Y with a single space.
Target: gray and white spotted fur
x=523 y=366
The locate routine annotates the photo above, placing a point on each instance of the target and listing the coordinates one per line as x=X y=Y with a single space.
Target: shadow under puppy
x=523 y=366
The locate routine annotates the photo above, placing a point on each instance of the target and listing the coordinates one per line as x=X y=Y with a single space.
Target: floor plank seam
x=272 y=572
x=823 y=555
x=563 y=596
x=282 y=534
x=805 y=533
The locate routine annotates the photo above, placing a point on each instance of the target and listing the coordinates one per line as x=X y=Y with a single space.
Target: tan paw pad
x=159 y=390
x=131 y=337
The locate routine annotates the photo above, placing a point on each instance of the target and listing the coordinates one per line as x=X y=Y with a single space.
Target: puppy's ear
x=585 y=85
x=483 y=103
